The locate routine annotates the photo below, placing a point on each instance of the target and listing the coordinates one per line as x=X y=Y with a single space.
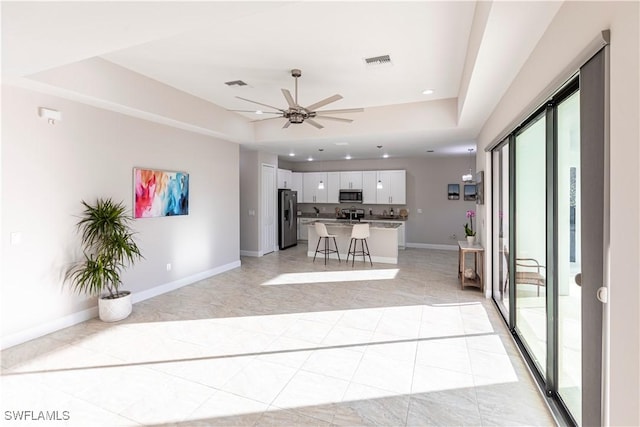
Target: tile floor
x=282 y=341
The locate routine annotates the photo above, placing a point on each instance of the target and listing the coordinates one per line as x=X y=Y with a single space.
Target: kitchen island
x=383 y=241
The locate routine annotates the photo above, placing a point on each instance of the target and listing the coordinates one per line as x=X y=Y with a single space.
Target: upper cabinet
x=378 y=187
x=284 y=178
x=297 y=185
x=369 y=192
x=333 y=187
x=314 y=187
x=351 y=180
x=392 y=188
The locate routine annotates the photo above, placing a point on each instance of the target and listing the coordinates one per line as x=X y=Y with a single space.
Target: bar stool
x=321 y=230
x=359 y=232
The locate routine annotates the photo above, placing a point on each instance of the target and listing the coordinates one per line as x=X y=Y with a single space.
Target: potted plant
x=108 y=247
x=468 y=230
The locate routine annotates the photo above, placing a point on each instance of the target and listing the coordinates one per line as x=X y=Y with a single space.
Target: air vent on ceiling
x=378 y=60
x=235 y=83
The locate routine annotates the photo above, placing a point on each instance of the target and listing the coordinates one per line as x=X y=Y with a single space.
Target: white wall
x=47 y=170
x=427 y=180
x=574 y=27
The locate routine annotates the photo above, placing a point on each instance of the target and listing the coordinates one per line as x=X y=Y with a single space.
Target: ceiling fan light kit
x=296 y=114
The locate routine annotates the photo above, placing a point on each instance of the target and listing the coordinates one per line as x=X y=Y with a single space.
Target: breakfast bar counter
x=383 y=240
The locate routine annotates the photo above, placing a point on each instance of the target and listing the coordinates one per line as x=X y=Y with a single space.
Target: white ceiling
x=467 y=52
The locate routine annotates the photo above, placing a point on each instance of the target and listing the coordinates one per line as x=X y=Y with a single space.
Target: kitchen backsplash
x=330 y=208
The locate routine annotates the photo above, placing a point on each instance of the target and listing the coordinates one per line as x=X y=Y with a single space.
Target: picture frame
x=453 y=191
x=470 y=192
x=159 y=193
x=480 y=188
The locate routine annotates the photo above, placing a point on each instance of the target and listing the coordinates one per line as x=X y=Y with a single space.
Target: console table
x=478 y=264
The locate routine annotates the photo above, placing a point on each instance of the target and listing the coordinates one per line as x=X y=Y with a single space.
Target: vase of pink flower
x=468 y=228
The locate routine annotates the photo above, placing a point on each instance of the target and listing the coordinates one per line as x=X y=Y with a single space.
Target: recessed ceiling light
x=258 y=111
x=348 y=157
x=310 y=159
x=385 y=156
x=427 y=91
x=292 y=154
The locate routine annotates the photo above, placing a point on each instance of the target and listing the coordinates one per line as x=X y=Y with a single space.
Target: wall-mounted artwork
x=469 y=192
x=160 y=193
x=480 y=188
x=453 y=191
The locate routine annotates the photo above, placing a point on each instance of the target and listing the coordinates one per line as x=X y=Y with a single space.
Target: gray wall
x=249 y=201
x=47 y=170
x=427 y=180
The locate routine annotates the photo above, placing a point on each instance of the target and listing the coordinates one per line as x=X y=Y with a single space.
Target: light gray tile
x=369 y=352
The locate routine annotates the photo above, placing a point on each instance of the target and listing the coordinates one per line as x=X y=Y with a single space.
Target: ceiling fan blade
x=254 y=112
x=347 y=110
x=268 y=118
x=313 y=123
x=324 y=102
x=286 y=125
x=289 y=98
x=338 y=119
x=260 y=103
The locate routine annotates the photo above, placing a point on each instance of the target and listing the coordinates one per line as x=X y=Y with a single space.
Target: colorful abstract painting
x=160 y=193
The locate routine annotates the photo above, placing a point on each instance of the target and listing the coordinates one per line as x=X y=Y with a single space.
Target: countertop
x=366 y=217
x=346 y=224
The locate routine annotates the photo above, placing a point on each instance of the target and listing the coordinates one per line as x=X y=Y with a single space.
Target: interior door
x=268 y=209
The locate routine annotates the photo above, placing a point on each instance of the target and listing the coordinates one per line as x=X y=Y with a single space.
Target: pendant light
x=469 y=176
x=321 y=185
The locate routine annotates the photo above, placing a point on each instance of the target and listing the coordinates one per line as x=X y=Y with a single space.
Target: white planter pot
x=112 y=310
x=471 y=240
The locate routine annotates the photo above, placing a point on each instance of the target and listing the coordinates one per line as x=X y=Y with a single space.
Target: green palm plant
x=108 y=247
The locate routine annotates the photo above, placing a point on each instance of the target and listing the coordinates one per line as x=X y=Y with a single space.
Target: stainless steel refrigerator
x=287 y=218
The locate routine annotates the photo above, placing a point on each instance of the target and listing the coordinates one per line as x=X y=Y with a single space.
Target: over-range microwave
x=350 y=196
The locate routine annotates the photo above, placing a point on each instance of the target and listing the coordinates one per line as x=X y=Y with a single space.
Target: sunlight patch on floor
x=332 y=276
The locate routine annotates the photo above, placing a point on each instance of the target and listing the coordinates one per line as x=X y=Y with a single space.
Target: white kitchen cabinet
x=394 y=187
x=333 y=187
x=369 y=192
x=284 y=178
x=351 y=180
x=313 y=192
x=296 y=184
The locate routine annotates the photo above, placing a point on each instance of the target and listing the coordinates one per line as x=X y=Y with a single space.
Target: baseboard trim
x=172 y=286
x=84 y=315
x=49 y=327
x=433 y=246
x=251 y=253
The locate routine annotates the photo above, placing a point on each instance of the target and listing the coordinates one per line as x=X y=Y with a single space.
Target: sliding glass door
x=500 y=184
x=530 y=239
x=569 y=255
x=544 y=223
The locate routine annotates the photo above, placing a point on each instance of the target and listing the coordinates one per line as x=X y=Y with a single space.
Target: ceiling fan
x=296 y=114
